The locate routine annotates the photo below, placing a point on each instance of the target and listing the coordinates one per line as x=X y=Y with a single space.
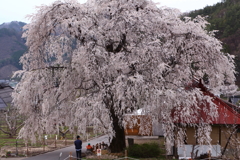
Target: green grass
x=5 y=138
x=6 y=141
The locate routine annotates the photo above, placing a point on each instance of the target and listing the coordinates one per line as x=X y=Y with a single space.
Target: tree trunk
x=10 y=133
x=118 y=142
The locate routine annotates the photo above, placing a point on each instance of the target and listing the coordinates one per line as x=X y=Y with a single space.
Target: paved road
x=54 y=155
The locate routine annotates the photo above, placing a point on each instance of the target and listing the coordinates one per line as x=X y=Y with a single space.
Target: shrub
x=146 y=150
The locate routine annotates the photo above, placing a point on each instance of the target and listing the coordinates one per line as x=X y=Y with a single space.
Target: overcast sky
x=16 y=10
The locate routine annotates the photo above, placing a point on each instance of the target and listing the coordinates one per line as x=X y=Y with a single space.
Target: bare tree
x=13 y=121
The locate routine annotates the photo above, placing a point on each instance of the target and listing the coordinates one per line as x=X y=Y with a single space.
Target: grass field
x=22 y=148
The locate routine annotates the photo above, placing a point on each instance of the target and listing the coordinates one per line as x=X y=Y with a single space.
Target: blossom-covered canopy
x=92 y=63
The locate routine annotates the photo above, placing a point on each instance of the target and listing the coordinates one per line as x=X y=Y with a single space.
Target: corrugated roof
x=2 y=104
x=227 y=113
x=5 y=95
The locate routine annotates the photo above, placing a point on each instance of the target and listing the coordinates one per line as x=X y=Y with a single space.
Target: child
x=89 y=147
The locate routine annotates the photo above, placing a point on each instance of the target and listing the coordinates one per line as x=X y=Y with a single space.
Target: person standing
x=78 y=147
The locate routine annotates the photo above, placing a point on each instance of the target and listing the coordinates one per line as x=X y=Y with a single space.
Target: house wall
x=215 y=135
x=225 y=134
x=157 y=129
x=219 y=135
x=190 y=139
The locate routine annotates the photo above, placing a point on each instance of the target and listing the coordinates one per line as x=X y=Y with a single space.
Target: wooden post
x=27 y=149
x=220 y=135
x=56 y=141
x=70 y=155
x=209 y=153
x=43 y=144
x=126 y=155
x=16 y=148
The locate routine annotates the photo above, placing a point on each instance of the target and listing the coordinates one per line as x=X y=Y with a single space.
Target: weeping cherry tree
x=94 y=63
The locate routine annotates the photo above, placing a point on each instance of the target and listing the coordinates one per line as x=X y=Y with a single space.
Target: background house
x=133 y=127
x=5 y=95
x=225 y=128
x=234 y=99
x=229 y=116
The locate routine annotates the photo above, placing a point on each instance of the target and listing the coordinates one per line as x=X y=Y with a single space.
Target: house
x=234 y=99
x=5 y=95
x=229 y=115
x=225 y=128
x=133 y=129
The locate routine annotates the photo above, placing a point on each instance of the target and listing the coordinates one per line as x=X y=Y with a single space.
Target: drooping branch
x=11 y=120
x=228 y=140
x=89 y=85
x=63 y=133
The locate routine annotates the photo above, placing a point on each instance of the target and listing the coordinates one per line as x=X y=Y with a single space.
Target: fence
x=26 y=149
x=46 y=144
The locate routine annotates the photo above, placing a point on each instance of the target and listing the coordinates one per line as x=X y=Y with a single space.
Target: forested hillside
x=225 y=17
x=12 y=46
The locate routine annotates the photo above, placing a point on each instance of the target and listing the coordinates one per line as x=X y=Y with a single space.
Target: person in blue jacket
x=78 y=147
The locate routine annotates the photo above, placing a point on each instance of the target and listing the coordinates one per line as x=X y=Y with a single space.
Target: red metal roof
x=228 y=113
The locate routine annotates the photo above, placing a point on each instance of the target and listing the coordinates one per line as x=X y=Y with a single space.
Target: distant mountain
x=12 y=47
x=17 y=26
x=225 y=17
